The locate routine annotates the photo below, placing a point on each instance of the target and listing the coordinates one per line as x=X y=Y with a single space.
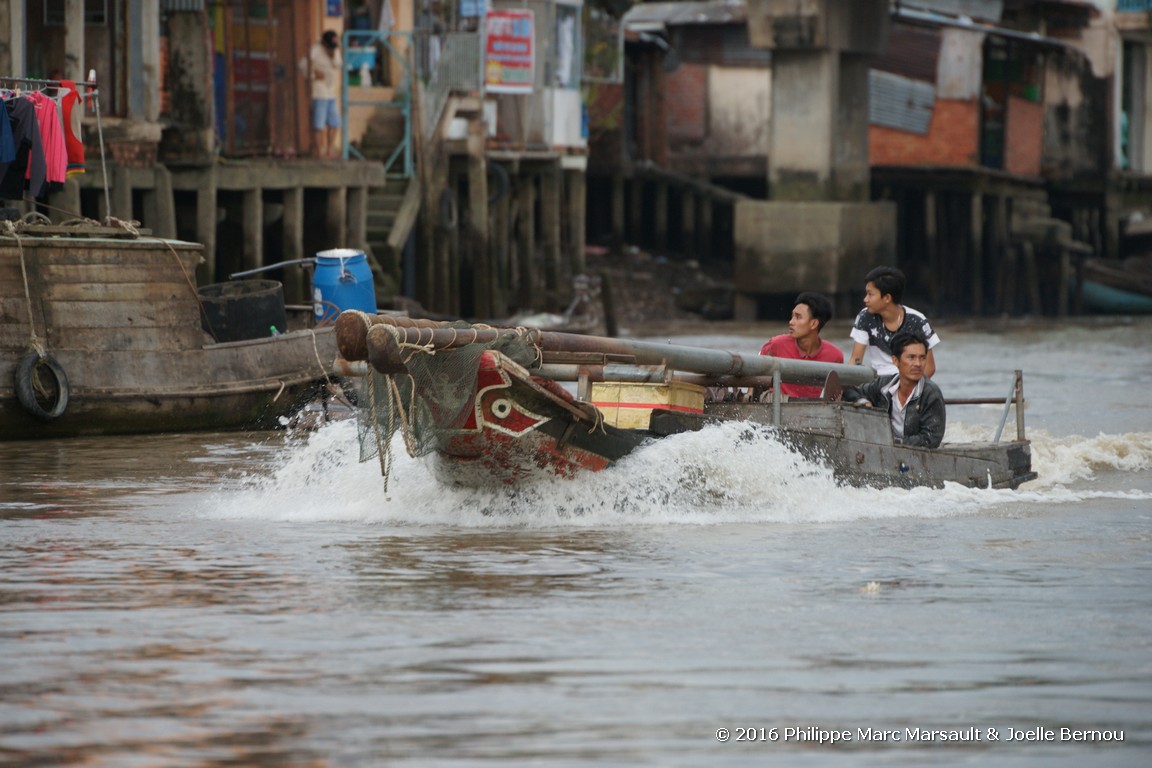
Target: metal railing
x=453 y=63
x=402 y=93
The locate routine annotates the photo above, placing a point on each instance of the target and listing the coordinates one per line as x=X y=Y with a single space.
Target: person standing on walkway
x=326 y=65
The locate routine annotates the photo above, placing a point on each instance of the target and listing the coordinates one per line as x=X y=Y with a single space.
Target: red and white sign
x=509 y=51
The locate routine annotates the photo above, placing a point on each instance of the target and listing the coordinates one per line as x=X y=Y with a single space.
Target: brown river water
x=257 y=599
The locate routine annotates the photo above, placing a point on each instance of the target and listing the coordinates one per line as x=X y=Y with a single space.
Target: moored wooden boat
x=487 y=406
x=101 y=333
x=1117 y=287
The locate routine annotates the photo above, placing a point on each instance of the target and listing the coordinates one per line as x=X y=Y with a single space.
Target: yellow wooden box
x=629 y=406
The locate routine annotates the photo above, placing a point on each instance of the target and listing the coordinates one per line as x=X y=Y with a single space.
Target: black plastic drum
x=243 y=309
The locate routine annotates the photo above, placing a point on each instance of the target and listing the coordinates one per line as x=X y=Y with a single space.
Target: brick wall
x=128 y=154
x=686 y=99
x=953 y=139
x=1024 y=140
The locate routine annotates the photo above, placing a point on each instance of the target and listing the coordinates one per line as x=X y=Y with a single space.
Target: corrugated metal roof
x=654 y=15
x=912 y=52
x=985 y=10
x=900 y=102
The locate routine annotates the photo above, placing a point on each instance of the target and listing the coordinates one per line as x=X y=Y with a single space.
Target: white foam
x=726 y=473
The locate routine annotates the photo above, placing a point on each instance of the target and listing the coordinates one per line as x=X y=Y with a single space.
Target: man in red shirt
x=803 y=342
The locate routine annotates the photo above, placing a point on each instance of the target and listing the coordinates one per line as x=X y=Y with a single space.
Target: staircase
x=385 y=244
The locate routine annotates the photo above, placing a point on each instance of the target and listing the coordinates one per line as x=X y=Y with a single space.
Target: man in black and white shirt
x=882 y=318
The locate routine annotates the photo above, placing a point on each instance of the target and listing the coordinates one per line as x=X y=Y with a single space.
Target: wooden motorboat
x=103 y=331
x=1117 y=286
x=489 y=406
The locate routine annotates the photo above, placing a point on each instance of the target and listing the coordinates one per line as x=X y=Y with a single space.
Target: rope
x=11 y=230
x=316 y=352
x=192 y=285
x=131 y=227
x=383 y=453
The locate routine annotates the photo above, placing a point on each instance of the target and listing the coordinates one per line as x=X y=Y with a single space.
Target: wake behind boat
x=489 y=406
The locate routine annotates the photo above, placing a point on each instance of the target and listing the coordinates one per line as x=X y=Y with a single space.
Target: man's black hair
x=887 y=280
x=330 y=39
x=901 y=340
x=819 y=305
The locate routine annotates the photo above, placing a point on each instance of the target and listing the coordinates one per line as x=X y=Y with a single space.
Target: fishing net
x=433 y=399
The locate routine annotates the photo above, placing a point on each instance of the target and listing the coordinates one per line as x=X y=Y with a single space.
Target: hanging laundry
x=29 y=164
x=7 y=143
x=52 y=138
x=66 y=99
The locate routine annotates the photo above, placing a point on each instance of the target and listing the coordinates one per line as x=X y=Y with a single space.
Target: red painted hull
x=520 y=426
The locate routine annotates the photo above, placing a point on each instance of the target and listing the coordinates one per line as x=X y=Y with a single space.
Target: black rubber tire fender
x=31 y=367
x=498 y=182
x=448 y=216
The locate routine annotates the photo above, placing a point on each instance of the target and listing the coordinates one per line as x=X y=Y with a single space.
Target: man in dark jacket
x=914 y=404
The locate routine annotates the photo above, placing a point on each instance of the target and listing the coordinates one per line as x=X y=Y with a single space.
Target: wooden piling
x=357 y=216
x=661 y=220
x=688 y=222
x=206 y=224
x=500 y=249
x=976 y=252
x=636 y=209
x=931 y=247
x=482 y=272
x=526 y=238
x=550 y=180
x=576 y=196
x=292 y=235
x=619 y=236
x=252 y=224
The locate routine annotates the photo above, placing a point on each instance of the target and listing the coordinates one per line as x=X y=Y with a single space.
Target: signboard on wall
x=509 y=51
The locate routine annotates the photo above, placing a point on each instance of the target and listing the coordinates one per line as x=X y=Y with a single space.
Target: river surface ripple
x=259 y=600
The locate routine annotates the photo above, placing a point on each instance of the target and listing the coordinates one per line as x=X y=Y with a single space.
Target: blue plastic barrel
x=342 y=280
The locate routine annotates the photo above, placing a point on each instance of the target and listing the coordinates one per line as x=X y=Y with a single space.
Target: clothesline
x=49 y=83
x=92 y=97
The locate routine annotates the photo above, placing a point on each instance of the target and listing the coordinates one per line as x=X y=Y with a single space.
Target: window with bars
x=95 y=13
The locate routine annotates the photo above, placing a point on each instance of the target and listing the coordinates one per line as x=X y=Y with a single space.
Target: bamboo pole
x=382 y=340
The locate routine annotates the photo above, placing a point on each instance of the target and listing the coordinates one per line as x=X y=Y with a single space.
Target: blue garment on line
x=7 y=143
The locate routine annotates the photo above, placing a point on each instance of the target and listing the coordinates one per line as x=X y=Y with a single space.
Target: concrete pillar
x=13 y=22
x=818 y=231
x=163 y=223
x=192 y=112
x=253 y=227
x=206 y=222
x=73 y=40
x=66 y=202
x=295 y=288
x=121 y=194
x=150 y=59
